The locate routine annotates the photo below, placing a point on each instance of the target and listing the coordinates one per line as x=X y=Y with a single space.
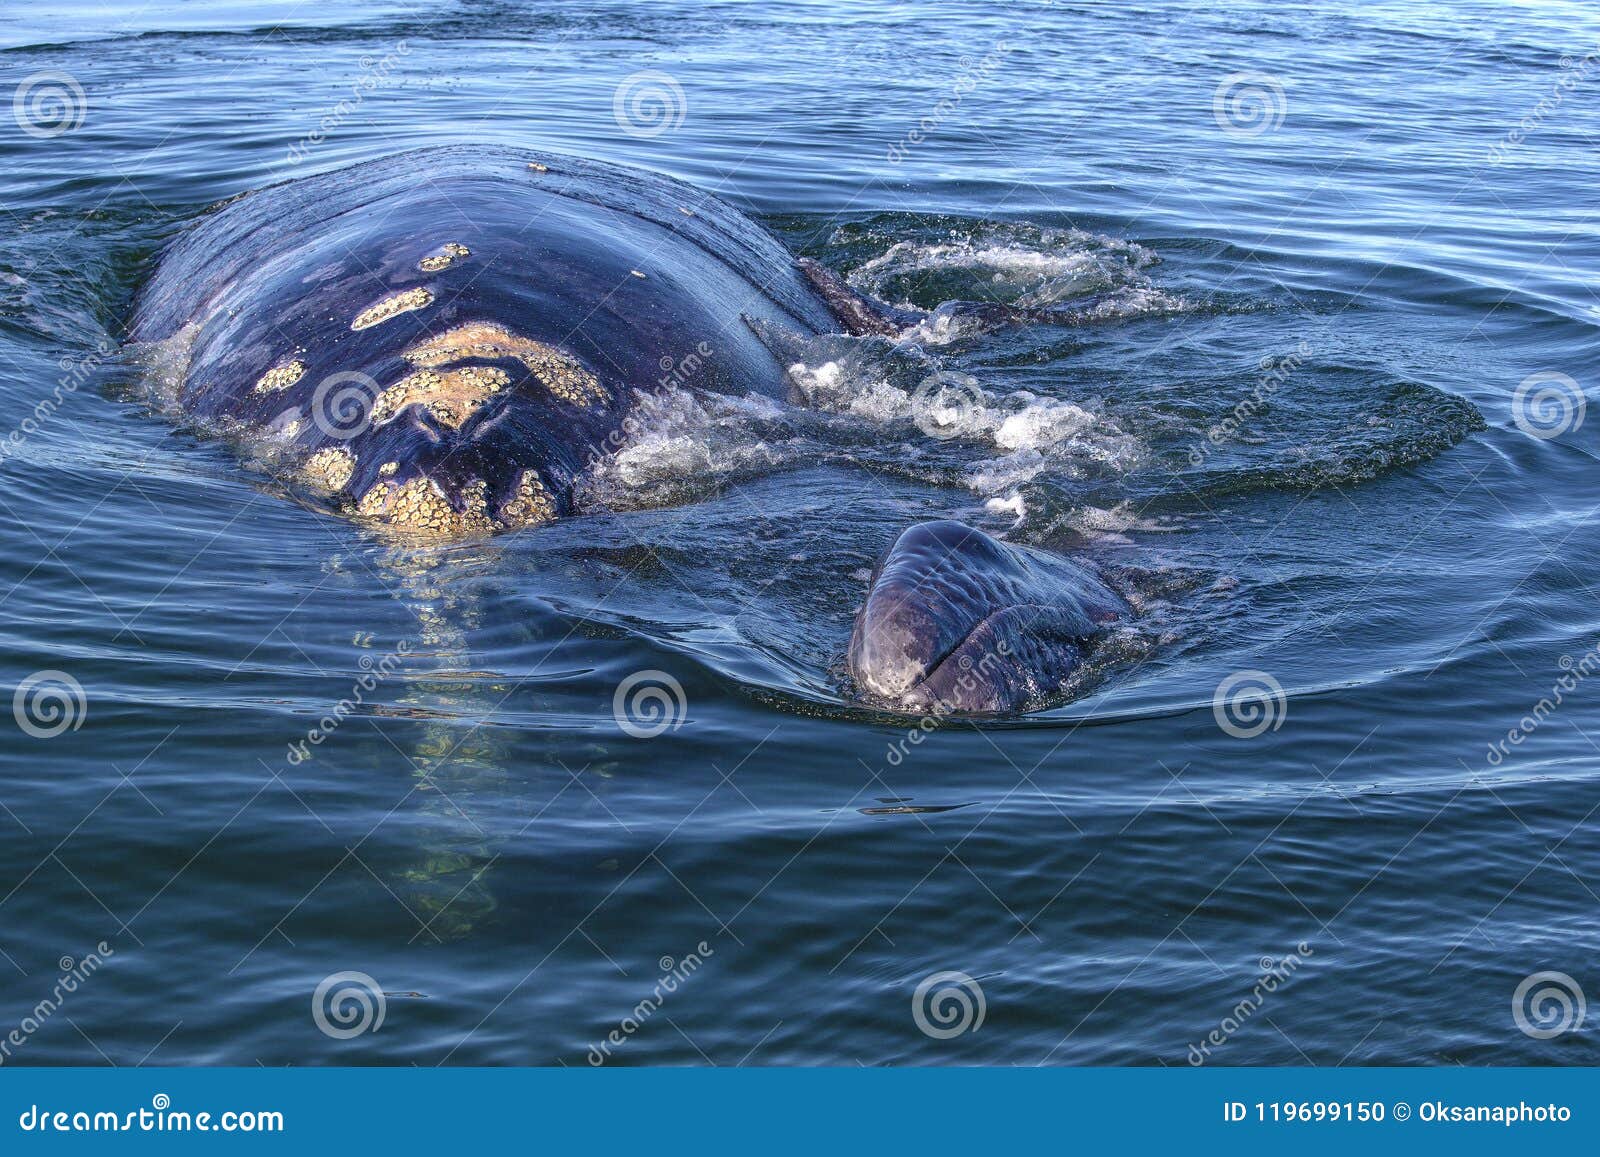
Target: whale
x=442 y=343
x=957 y=622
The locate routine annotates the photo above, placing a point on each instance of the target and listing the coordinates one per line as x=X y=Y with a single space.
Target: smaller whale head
x=956 y=622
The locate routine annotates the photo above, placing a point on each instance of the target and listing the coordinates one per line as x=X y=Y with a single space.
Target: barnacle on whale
x=530 y=503
x=414 y=298
x=452 y=396
x=443 y=257
x=418 y=507
x=329 y=469
x=280 y=377
x=559 y=372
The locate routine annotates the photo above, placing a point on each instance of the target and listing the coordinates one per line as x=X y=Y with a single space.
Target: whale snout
x=958 y=622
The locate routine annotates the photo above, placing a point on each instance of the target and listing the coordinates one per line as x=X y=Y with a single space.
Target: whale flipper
x=861 y=316
x=958 y=622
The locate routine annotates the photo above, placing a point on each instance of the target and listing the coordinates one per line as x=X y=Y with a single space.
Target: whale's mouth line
x=934 y=666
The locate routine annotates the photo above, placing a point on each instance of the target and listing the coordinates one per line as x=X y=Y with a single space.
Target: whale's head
x=958 y=622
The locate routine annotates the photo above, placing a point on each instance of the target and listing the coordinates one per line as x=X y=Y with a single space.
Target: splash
x=1015 y=264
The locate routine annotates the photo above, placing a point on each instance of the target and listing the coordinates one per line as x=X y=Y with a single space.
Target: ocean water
x=598 y=792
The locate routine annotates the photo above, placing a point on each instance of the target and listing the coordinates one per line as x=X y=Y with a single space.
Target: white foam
x=1012 y=263
x=1011 y=504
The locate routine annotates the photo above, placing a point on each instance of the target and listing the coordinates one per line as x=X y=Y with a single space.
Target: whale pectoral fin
x=861 y=316
x=958 y=622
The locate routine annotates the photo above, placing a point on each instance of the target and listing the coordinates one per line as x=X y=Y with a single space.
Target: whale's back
x=466 y=316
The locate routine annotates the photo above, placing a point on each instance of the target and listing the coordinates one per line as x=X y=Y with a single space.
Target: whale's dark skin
x=956 y=622
x=441 y=343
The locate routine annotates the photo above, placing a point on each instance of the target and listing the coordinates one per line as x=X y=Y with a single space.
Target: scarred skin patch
x=404 y=302
x=329 y=470
x=280 y=377
x=443 y=257
x=452 y=396
x=559 y=372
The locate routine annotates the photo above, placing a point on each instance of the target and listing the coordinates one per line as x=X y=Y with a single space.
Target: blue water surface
x=1328 y=798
